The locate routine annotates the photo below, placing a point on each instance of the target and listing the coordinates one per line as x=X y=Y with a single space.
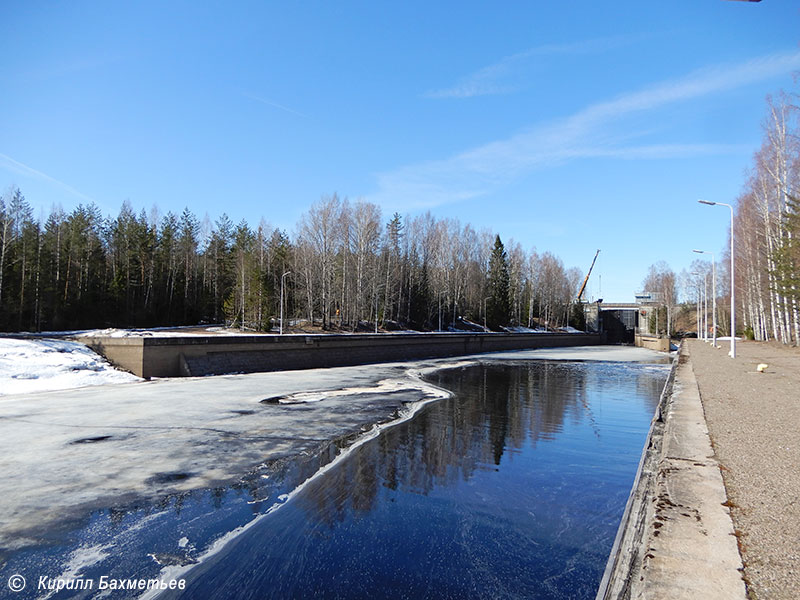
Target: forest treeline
x=767 y=230
x=766 y=222
x=345 y=268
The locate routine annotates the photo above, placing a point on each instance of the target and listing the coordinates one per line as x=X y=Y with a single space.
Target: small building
x=622 y=321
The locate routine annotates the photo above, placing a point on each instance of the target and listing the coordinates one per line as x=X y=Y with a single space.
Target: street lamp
x=713 y=295
x=283 y=278
x=705 y=307
x=440 y=309
x=699 y=310
x=732 y=353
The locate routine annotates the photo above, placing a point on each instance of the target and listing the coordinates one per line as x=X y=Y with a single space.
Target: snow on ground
x=522 y=329
x=162 y=332
x=28 y=366
x=173 y=331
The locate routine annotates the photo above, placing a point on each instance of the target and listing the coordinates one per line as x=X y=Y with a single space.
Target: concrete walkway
x=691 y=550
x=754 y=425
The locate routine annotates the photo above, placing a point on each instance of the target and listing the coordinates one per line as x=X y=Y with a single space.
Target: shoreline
x=713 y=511
x=676 y=539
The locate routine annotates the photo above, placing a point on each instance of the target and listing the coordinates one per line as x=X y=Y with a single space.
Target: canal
x=497 y=476
x=512 y=488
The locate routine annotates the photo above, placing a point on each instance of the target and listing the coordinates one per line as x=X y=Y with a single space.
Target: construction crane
x=585 y=281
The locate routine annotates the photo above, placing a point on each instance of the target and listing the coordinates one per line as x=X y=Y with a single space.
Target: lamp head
x=707 y=202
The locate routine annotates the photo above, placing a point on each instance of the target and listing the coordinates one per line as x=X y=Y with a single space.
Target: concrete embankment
x=216 y=355
x=676 y=538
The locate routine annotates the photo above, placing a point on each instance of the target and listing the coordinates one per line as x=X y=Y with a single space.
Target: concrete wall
x=630 y=545
x=214 y=355
x=126 y=353
x=676 y=538
x=653 y=342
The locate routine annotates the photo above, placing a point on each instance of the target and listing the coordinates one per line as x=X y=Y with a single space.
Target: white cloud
x=9 y=164
x=588 y=133
x=483 y=82
x=272 y=104
x=498 y=78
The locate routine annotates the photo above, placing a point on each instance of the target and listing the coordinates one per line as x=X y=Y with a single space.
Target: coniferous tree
x=219 y=256
x=167 y=259
x=80 y=270
x=394 y=269
x=5 y=244
x=188 y=242
x=497 y=306
x=25 y=234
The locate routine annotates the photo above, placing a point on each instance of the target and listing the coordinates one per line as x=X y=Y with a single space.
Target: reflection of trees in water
x=650 y=387
x=496 y=409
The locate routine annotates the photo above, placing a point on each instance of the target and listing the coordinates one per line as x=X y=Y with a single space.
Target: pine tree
x=168 y=260
x=220 y=257
x=189 y=230
x=498 y=310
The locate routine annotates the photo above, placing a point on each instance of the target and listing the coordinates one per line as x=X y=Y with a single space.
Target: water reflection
x=497 y=409
x=512 y=488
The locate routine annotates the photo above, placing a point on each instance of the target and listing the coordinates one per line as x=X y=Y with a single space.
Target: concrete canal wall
x=659 y=343
x=215 y=355
x=676 y=538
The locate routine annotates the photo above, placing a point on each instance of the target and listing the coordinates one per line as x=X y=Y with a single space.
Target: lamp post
x=713 y=295
x=697 y=312
x=732 y=353
x=440 y=309
x=283 y=278
x=705 y=307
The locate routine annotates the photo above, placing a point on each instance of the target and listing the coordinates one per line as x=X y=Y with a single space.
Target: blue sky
x=567 y=128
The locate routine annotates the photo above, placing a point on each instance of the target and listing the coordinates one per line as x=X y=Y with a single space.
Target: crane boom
x=585 y=281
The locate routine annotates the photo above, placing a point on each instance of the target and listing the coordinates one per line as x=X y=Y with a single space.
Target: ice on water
x=67 y=453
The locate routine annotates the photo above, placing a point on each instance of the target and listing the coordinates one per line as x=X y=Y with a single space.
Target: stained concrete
x=677 y=538
x=217 y=355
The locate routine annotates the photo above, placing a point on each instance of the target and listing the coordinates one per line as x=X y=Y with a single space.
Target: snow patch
x=163 y=332
x=569 y=329
x=28 y=366
x=521 y=329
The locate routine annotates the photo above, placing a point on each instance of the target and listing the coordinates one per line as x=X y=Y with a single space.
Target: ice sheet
x=65 y=453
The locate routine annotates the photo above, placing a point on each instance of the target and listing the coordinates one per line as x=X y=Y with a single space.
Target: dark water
x=511 y=489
